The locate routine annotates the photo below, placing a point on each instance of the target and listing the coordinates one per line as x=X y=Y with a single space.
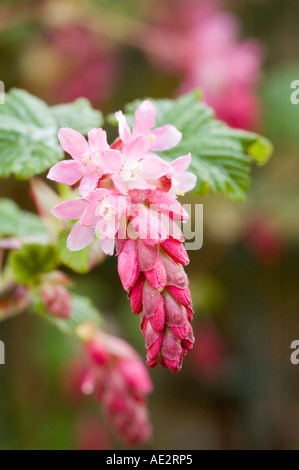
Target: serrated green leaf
x=31 y=261
x=221 y=156
x=83 y=311
x=29 y=132
x=77 y=261
x=15 y=222
x=28 y=136
x=78 y=115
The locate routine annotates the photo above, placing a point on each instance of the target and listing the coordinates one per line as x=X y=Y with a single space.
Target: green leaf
x=31 y=261
x=221 y=156
x=29 y=132
x=83 y=311
x=78 y=115
x=77 y=261
x=15 y=222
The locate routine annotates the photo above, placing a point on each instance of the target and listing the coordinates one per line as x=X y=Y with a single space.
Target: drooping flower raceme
x=117 y=377
x=128 y=199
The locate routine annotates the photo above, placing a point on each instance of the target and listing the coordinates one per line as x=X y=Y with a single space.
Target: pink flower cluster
x=213 y=59
x=120 y=381
x=128 y=198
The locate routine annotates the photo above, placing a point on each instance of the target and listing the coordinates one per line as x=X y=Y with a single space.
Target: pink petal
x=156 y=277
x=187 y=181
x=167 y=137
x=171 y=348
x=128 y=257
x=97 y=139
x=89 y=184
x=119 y=184
x=69 y=210
x=183 y=296
x=119 y=204
x=182 y=163
x=154 y=350
x=73 y=143
x=150 y=335
x=176 y=275
x=111 y=161
x=80 y=237
x=97 y=352
x=147 y=256
x=176 y=314
x=108 y=246
x=145 y=118
x=176 y=250
x=171 y=227
x=98 y=194
x=158 y=319
x=136 y=149
x=140 y=184
x=66 y=172
x=136 y=375
x=124 y=130
x=151 y=300
x=154 y=167
x=89 y=219
x=148 y=225
x=107 y=228
x=166 y=203
x=136 y=296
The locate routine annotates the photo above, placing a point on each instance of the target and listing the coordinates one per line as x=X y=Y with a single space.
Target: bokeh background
x=238 y=388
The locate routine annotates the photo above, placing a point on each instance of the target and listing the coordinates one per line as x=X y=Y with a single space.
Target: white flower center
x=131 y=171
x=90 y=162
x=176 y=189
x=106 y=211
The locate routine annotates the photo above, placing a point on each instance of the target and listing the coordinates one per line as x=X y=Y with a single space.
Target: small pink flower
x=90 y=160
x=161 y=138
x=138 y=169
x=182 y=181
x=100 y=214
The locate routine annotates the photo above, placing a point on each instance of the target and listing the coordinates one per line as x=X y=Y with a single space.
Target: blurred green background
x=238 y=388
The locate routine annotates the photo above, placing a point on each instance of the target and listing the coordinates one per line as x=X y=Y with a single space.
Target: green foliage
x=83 y=311
x=78 y=115
x=77 y=261
x=29 y=128
x=15 y=222
x=221 y=156
x=31 y=261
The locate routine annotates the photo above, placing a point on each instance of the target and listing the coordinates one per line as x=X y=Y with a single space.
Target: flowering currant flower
x=119 y=380
x=135 y=206
x=138 y=168
x=161 y=138
x=90 y=160
x=100 y=214
x=182 y=181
